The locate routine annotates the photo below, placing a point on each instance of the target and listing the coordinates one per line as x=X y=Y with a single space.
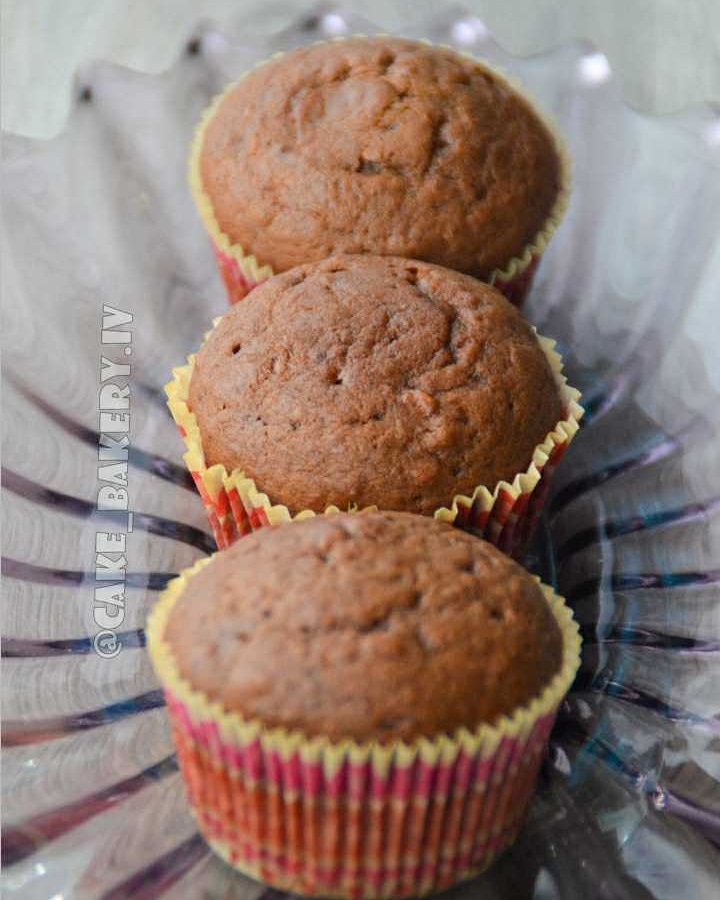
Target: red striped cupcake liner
x=505 y=515
x=356 y=820
x=241 y=271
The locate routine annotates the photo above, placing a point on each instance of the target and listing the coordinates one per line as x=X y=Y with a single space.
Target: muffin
x=361 y=702
x=377 y=145
x=373 y=381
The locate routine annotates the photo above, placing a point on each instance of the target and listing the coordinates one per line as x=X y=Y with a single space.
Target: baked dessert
x=338 y=685
x=389 y=627
x=374 y=381
x=377 y=145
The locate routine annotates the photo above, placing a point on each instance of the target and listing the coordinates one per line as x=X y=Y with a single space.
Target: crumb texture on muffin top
x=374 y=381
x=368 y=626
x=379 y=145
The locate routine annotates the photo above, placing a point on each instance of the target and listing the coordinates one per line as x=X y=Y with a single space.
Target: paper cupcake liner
x=505 y=517
x=241 y=271
x=352 y=819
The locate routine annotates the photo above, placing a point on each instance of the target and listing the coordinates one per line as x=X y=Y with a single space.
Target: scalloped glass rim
x=630 y=286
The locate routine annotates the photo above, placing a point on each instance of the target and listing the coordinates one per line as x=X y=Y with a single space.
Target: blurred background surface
x=665 y=53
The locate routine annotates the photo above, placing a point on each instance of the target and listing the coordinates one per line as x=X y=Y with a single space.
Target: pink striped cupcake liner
x=504 y=514
x=241 y=271
x=356 y=820
x=238 y=282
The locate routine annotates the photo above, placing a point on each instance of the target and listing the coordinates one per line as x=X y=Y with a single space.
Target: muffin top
x=374 y=625
x=379 y=145
x=374 y=381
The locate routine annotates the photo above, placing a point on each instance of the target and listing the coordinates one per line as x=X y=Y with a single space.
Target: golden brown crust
x=375 y=625
x=375 y=381
x=379 y=145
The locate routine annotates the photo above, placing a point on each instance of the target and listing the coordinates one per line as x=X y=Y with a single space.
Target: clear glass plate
x=629 y=804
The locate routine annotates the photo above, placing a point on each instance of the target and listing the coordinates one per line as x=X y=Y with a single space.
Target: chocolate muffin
x=373 y=381
x=343 y=687
x=372 y=626
x=378 y=145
